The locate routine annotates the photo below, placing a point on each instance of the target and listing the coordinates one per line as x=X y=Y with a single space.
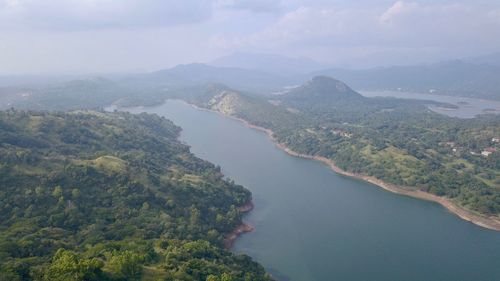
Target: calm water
x=467 y=107
x=312 y=224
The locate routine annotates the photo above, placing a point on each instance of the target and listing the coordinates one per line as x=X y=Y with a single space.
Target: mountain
x=456 y=78
x=490 y=59
x=322 y=89
x=325 y=97
x=271 y=63
x=191 y=74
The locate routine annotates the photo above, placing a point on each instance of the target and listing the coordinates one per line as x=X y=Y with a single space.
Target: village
x=486 y=151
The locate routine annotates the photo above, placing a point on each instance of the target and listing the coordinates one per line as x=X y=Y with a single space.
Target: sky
x=106 y=36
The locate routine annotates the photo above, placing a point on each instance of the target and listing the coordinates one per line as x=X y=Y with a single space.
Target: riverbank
x=241 y=229
x=480 y=220
x=246 y=208
x=483 y=221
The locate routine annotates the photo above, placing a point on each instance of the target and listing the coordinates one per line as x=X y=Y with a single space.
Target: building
x=488 y=151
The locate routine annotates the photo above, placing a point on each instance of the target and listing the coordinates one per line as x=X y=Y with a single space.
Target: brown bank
x=241 y=229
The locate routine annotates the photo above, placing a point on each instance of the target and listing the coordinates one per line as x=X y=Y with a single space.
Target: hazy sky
x=80 y=36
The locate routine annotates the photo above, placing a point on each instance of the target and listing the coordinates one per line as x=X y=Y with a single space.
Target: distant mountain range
x=192 y=74
x=270 y=63
x=491 y=59
x=477 y=77
x=455 y=78
x=263 y=74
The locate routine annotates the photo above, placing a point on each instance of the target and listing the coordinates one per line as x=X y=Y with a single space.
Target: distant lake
x=467 y=107
x=312 y=224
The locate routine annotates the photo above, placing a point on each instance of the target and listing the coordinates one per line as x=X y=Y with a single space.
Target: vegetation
x=398 y=141
x=112 y=196
x=91 y=93
x=88 y=195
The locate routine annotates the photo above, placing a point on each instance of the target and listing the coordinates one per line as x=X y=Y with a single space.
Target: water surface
x=466 y=107
x=312 y=224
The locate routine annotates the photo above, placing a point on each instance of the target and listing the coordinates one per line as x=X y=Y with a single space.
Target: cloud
x=305 y=25
x=257 y=6
x=409 y=27
x=100 y=14
x=113 y=35
x=398 y=9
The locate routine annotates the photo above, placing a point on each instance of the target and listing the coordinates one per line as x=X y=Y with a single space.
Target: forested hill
x=112 y=196
x=321 y=89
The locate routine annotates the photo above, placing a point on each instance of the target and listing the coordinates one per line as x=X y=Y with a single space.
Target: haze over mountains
x=470 y=77
x=271 y=63
x=454 y=78
x=263 y=74
x=490 y=59
x=266 y=73
x=198 y=73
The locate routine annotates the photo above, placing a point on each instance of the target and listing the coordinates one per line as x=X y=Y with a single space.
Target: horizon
x=212 y=64
x=82 y=37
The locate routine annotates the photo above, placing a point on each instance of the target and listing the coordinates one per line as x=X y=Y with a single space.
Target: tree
x=57 y=192
x=75 y=193
x=226 y=277
x=126 y=264
x=67 y=266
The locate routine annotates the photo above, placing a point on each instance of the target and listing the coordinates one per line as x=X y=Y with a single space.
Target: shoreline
x=247 y=207
x=241 y=229
x=480 y=220
x=483 y=221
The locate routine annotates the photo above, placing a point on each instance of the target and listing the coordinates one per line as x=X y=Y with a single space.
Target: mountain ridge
x=271 y=63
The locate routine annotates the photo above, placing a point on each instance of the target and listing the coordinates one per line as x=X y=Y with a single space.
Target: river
x=313 y=224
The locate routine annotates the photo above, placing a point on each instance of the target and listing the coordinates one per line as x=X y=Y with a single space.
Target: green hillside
x=112 y=196
x=398 y=141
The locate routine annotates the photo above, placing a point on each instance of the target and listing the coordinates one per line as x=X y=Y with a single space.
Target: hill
x=112 y=196
x=322 y=89
x=454 y=78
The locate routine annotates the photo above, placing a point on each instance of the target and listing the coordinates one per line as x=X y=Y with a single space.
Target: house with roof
x=488 y=151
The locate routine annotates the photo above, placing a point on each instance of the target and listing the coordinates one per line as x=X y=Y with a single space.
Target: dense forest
x=112 y=196
x=399 y=141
